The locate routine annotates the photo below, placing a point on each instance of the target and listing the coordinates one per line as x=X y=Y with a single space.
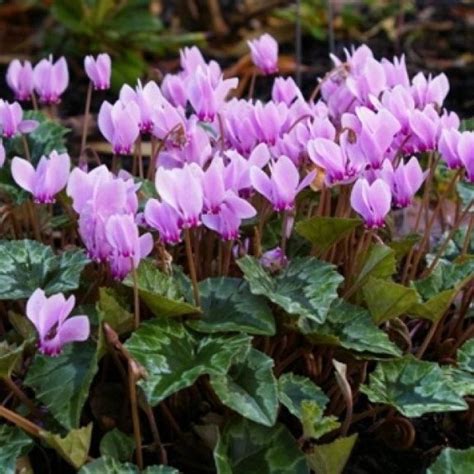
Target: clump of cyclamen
x=218 y=152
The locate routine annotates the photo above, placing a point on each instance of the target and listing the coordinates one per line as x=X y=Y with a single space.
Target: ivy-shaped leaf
x=13 y=444
x=62 y=383
x=466 y=356
x=174 y=357
x=246 y=447
x=74 y=447
x=108 y=465
x=453 y=461
x=117 y=445
x=228 y=305
x=314 y=423
x=324 y=232
x=162 y=293
x=250 y=388
x=413 y=387
x=26 y=265
x=387 y=300
x=293 y=390
x=350 y=327
x=331 y=458
x=306 y=287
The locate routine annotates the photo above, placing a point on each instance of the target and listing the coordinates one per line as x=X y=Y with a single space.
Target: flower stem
x=20 y=421
x=85 y=123
x=136 y=298
x=132 y=379
x=284 y=225
x=26 y=148
x=192 y=267
x=252 y=85
x=34 y=220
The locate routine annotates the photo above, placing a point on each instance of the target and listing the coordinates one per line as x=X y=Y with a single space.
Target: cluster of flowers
x=217 y=153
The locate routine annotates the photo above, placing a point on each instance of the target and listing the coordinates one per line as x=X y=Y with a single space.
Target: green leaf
x=453 y=461
x=10 y=356
x=331 y=458
x=245 y=447
x=174 y=357
x=461 y=381
x=306 y=287
x=249 y=388
x=117 y=445
x=379 y=263
x=227 y=305
x=13 y=444
x=74 y=447
x=413 y=387
x=314 y=423
x=324 y=232
x=351 y=327
x=160 y=292
x=440 y=288
x=62 y=383
x=294 y=389
x=466 y=356
x=26 y=265
x=387 y=300
x=108 y=465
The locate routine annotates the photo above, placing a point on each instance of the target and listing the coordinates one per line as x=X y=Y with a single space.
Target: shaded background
x=143 y=36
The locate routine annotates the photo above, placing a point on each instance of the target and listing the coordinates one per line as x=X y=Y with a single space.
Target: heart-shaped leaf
x=293 y=390
x=162 y=293
x=174 y=357
x=108 y=465
x=351 y=327
x=413 y=387
x=466 y=356
x=62 y=383
x=117 y=445
x=306 y=287
x=250 y=388
x=324 y=232
x=26 y=265
x=331 y=458
x=453 y=461
x=74 y=447
x=246 y=447
x=10 y=356
x=228 y=305
x=387 y=300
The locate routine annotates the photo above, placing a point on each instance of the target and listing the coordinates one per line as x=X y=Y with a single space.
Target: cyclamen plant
x=286 y=216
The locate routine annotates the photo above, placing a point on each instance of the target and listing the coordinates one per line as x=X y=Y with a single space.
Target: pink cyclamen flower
x=51 y=79
x=20 y=79
x=50 y=177
x=128 y=246
x=448 y=147
x=283 y=185
x=11 y=120
x=371 y=201
x=466 y=153
x=119 y=123
x=404 y=181
x=285 y=90
x=50 y=318
x=165 y=219
x=264 y=53
x=99 y=70
x=274 y=259
x=182 y=190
